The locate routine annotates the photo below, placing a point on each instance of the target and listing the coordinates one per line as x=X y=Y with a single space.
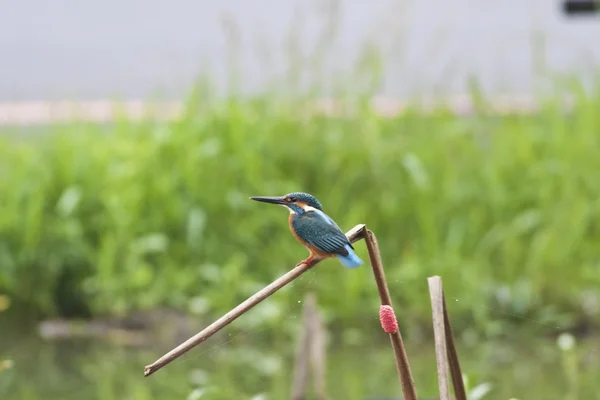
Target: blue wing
x=318 y=230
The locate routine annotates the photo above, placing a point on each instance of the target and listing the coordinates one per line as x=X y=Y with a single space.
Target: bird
x=314 y=229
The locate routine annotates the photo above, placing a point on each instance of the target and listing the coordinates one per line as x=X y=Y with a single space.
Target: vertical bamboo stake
x=445 y=349
x=317 y=350
x=301 y=366
x=457 y=381
x=439 y=332
x=311 y=345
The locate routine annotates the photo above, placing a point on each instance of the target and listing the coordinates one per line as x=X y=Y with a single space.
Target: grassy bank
x=102 y=220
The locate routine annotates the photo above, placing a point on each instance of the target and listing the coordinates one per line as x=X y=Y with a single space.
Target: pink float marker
x=388 y=319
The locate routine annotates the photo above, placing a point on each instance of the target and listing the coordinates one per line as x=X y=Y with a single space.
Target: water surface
x=248 y=368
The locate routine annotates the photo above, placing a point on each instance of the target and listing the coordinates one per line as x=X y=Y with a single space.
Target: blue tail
x=351 y=260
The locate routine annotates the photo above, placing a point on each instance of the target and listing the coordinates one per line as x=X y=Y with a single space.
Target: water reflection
x=91 y=369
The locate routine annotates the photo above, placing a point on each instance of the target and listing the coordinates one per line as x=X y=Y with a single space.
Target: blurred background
x=465 y=134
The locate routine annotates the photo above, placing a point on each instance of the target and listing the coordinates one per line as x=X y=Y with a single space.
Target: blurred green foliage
x=105 y=219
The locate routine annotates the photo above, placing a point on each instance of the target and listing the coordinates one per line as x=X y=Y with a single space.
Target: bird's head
x=296 y=202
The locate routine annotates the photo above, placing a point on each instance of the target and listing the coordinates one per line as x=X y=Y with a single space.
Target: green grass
x=102 y=220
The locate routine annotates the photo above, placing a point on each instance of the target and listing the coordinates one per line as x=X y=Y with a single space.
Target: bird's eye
x=292 y=199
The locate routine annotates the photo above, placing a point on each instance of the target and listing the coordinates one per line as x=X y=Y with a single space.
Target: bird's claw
x=308 y=261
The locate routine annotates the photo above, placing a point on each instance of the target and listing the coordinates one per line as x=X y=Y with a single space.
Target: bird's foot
x=308 y=261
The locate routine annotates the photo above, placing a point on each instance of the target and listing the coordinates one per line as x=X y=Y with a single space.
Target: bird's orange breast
x=313 y=251
x=290 y=222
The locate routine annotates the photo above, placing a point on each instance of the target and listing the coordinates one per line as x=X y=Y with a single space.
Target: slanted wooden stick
x=406 y=380
x=353 y=235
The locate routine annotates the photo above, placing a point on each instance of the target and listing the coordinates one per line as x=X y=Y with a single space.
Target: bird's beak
x=269 y=199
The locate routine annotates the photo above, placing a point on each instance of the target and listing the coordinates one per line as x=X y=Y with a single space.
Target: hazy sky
x=71 y=49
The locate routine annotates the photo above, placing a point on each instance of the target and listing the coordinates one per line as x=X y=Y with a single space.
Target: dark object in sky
x=581 y=7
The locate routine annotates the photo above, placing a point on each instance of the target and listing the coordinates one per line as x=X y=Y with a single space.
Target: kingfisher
x=314 y=229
